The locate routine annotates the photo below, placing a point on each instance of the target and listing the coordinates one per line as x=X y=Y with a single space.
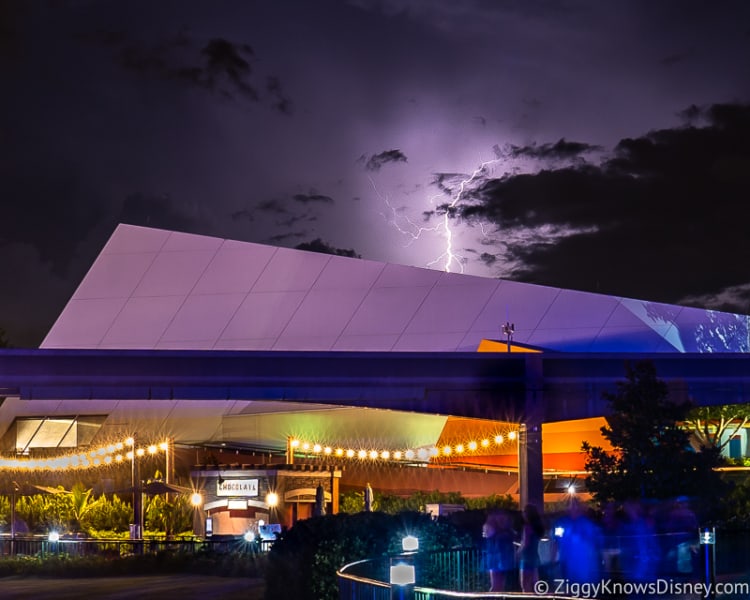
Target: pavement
x=151 y=587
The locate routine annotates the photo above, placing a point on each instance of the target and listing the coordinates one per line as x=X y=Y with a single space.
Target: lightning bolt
x=449 y=260
x=449 y=257
x=410 y=229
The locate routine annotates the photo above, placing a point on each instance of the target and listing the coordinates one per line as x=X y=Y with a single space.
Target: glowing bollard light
x=402 y=574
x=402 y=579
x=53 y=538
x=410 y=543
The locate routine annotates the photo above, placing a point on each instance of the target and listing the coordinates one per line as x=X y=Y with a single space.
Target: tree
x=714 y=426
x=82 y=502
x=652 y=457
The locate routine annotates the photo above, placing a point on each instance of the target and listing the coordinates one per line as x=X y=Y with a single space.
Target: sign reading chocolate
x=237 y=487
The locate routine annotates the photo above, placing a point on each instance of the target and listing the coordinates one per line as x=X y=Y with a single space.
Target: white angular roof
x=157 y=289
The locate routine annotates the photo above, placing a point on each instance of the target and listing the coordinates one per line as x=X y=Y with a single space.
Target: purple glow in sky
x=601 y=146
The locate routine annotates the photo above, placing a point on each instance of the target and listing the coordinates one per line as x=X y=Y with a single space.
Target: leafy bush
x=354 y=501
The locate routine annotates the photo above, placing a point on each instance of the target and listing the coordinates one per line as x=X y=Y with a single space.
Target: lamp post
x=199 y=527
x=136 y=530
x=14 y=489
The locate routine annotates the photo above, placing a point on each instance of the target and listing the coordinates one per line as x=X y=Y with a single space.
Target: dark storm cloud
x=225 y=61
x=243 y=214
x=294 y=219
x=487 y=258
x=664 y=218
x=376 y=161
x=281 y=238
x=318 y=245
x=271 y=206
x=219 y=65
x=449 y=183
x=313 y=196
x=560 y=150
x=279 y=100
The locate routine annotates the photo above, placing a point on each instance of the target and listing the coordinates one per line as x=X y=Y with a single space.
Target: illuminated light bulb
x=397 y=455
x=130 y=455
x=447 y=450
x=472 y=446
x=498 y=439
x=512 y=435
x=101 y=451
x=350 y=453
x=362 y=454
x=422 y=454
x=152 y=449
x=119 y=458
x=317 y=448
x=410 y=455
x=385 y=455
x=111 y=449
x=327 y=450
x=119 y=446
x=485 y=443
x=92 y=454
x=339 y=452
x=305 y=446
x=373 y=454
x=107 y=460
x=140 y=452
x=97 y=461
x=164 y=446
x=434 y=451
x=294 y=443
x=130 y=441
x=460 y=448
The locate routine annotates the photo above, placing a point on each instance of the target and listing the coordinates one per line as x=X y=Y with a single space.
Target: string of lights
x=99 y=457
x=424 y=454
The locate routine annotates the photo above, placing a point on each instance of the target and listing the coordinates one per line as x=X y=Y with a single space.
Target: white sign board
x=237 y=487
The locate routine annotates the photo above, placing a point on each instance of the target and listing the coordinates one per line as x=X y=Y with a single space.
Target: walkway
x=161 y=587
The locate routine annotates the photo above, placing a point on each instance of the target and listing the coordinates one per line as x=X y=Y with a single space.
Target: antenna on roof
x=509 y=329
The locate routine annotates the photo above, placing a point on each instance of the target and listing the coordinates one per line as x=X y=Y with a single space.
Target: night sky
x=599 y=146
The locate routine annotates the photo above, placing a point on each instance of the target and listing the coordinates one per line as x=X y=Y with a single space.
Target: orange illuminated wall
x=561 y=443
x=499 y=346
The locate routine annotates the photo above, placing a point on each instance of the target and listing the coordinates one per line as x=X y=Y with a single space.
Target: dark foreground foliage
x=303 y=563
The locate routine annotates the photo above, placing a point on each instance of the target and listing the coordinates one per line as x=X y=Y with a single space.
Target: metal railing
x=445 y=575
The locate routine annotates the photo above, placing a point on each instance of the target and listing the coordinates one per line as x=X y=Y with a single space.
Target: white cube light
x=410 y=543
x=402 y=574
